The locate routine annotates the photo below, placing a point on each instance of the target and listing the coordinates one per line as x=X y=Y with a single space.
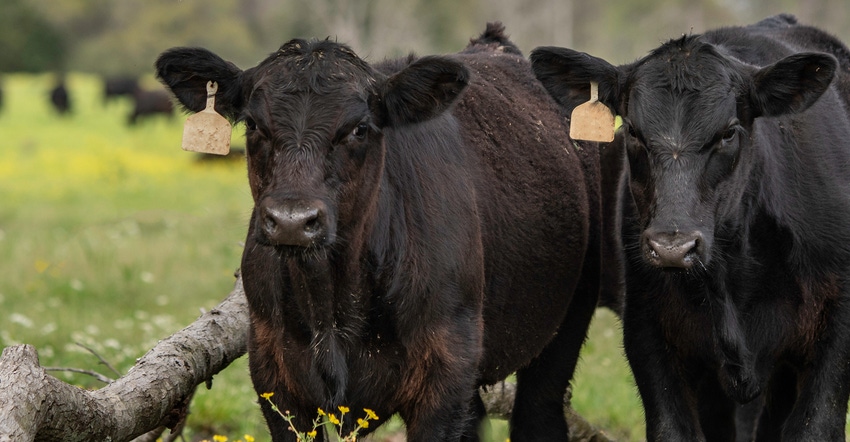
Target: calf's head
x=688 y=112
x=314 y=114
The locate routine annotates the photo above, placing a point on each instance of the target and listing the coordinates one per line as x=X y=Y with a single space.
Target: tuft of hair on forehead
x=684 y=64
x=316 y=65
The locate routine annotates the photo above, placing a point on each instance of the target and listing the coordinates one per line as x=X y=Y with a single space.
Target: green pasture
x=112 y=237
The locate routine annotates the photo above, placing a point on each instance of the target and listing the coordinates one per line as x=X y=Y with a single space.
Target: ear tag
x=592 y=121
x=207 y=131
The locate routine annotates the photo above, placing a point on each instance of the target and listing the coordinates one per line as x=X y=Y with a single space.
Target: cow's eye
x=250 y=123
x=360 y=131
x=731 y=132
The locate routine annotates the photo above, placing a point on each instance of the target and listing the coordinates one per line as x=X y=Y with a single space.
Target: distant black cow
x=60 y=99
x=384 y=194
x=147 y=103
x=114 y=87
x=737 y=252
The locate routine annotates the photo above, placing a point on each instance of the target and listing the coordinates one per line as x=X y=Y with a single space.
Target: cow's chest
x=742 y=334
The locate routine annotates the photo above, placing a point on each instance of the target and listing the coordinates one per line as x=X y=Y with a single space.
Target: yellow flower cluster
x=329 y=419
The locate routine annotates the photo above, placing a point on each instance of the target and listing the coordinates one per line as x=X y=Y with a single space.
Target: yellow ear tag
x=207 y=131
x=592 y=121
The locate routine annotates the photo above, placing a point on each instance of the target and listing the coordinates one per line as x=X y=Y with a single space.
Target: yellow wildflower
x=322 y=412
x=249 y=438
x=370 y=414
x=266 y=396
x=219 y=438
x=312 y=434
x=343 y=410
x=363 y=423
x=333 y=419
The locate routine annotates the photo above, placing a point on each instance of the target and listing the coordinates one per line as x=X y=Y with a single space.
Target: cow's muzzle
x=673 y=249
x=293 y=222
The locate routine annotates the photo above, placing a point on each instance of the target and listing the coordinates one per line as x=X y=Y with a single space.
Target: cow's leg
x=668 y=402
x=478 y=417
x=778 y=401
x=716 y=411
x=747 y=417
x=437 y=398
x=824 y=383
x=538 y=413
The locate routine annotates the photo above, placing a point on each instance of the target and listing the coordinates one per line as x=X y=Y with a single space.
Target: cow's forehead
x=320 y=67
x=683 y=91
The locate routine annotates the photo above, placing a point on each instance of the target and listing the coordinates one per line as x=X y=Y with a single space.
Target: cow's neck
x=330 y=297
x=737 y=362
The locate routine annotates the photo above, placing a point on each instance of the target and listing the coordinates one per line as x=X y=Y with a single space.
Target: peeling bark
x=35 y=406
x=155 y=393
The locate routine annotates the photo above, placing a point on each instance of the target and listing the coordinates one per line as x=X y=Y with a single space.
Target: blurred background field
x=112 y=238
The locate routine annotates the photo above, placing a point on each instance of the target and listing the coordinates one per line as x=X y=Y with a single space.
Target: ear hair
x=793 y=84
x=186 y=71
x=566 y=74
x=421 y=91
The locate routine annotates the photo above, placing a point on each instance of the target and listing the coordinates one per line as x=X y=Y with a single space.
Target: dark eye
x=360 y=131
x=729 y=135
x=250 y=123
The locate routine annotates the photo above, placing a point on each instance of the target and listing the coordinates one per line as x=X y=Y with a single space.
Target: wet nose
x=293 y=222
x=677 y=250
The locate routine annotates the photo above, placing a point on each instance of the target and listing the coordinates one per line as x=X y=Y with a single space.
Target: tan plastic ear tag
x=207 y=131
x=592 y=121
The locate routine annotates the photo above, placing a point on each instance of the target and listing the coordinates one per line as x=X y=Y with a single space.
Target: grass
x=114 y=238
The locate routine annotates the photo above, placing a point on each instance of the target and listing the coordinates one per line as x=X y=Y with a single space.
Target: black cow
x=59 y=98
x=737 y=233
x=384 y=194
x=114 y=87
x=150 y=102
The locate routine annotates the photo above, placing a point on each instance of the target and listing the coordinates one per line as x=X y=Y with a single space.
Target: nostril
x=312 y=224
x=269 y=223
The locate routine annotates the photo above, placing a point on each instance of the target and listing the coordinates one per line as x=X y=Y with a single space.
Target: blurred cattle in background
x=59 y=97
x=114 y=87
x=151 y=102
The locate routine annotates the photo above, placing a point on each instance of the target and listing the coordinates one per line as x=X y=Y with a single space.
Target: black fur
x=420 y=230
x=735 y=218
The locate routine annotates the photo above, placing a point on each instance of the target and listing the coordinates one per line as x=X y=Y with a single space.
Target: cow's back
x=538 y=200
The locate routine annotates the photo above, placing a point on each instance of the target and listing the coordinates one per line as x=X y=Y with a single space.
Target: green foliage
x=29 y=42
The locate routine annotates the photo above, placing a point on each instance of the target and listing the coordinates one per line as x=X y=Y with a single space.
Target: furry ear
x=421 y=91
x=792 y=84
x=186 y=71
x=566 y=74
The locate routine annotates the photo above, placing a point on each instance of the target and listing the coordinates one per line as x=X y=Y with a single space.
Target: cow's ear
x=421 y=91
x=186 y=71
x=566 y=74
x=792 y=84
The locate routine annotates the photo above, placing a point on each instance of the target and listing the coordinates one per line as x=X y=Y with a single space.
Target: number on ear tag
x=207 y=131
x=592 y=121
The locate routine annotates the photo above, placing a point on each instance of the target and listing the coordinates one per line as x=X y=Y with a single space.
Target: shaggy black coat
x=735 y=226
x=421 y=228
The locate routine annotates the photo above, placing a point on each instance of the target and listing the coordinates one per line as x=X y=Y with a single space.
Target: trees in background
x=109 y=37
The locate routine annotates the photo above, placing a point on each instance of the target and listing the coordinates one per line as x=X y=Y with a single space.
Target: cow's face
x=314 y=115
x=688 y=113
